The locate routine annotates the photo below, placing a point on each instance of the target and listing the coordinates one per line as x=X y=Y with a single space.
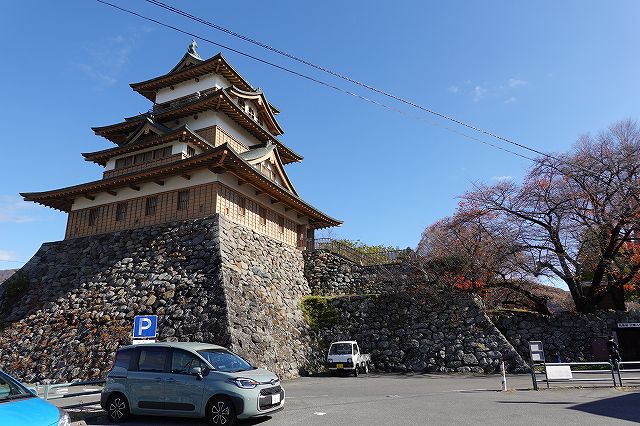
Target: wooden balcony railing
x=182 y=100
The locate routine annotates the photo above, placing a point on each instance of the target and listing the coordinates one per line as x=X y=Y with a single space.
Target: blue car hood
x=30 y=411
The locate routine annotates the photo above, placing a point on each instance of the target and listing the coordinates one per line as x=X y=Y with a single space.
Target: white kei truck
x=345 y=357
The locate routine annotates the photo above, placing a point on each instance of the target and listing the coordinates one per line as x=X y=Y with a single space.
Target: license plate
x=339 y=365
x=275 y=399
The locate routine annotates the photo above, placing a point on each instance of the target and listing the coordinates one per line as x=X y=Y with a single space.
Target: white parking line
x=308 y=396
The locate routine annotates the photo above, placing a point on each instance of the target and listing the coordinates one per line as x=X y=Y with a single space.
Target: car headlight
x=243 y=383
x=64 y=419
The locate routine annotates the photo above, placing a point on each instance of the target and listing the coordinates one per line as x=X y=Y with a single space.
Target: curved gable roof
x=218 y=100
x=182 y=72
x=263 y=104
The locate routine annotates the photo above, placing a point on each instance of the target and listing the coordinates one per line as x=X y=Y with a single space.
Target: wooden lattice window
x=161 y=152
x=281 y=224
x=150 y=206
x=93 y=216
x=262 y=212
x=183 y=199
x=121 y=211
x=242 y=205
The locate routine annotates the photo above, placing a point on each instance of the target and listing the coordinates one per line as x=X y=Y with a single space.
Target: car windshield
x=340 y=349
x=226 y=361
x=10 y=389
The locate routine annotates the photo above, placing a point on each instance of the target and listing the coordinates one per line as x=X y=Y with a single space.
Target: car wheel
x=221 y=412
x=118 y=408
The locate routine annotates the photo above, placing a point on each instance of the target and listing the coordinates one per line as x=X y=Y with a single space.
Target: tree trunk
x=617 y=294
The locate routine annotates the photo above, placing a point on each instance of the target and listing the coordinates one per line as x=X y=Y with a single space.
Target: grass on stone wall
x=318 y=312
x=14 y=288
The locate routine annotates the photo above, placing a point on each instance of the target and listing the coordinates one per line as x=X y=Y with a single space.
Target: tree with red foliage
x=472 y=252
x=575 y=215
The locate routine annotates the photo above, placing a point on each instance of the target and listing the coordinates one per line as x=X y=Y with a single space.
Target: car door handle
x=170 y=380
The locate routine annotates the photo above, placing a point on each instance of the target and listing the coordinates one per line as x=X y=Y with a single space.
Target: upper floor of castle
x=207 y=127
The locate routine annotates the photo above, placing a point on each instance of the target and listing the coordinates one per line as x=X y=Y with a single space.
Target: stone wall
x=207 y=280
x=404 y=333
x=264 y=283
x=67 y=310
x=567 y=334
x=81 y=296
x=329 y=274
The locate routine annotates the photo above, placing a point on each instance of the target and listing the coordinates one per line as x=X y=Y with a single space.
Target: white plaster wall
x=185 y=88
x=211 y=118
x=198 y=177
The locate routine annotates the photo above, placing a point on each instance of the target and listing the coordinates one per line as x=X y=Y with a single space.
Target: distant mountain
x=6 y=273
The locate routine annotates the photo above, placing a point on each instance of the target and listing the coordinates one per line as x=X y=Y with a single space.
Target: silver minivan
x=188 y=379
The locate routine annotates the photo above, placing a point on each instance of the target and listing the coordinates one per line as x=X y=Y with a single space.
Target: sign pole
x=504 y=377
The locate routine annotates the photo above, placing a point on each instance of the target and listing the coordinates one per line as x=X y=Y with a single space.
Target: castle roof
x=215 y=99
x=193 y=66
x=219 y=160
x=184 y=133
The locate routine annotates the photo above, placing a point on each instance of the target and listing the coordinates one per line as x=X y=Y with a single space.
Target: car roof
x=190 y=346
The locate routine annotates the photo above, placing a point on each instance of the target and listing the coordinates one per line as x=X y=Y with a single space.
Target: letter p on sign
x=145 y=326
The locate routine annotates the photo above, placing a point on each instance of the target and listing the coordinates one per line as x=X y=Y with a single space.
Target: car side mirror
x=197 y=371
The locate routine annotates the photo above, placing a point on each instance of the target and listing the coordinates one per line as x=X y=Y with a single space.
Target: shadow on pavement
x=623 y=407
x=168 y=421
x=537 y=402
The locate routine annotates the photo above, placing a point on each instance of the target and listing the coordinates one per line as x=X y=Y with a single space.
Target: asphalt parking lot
x=434 y=400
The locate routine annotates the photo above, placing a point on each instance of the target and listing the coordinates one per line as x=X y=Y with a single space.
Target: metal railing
x=48 y=390
x=381 y=257
x=609 y=369
x=623 y=372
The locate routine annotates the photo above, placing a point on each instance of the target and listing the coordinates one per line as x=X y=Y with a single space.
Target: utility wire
x=315 y=80
x=344 y=77
x=348 y=92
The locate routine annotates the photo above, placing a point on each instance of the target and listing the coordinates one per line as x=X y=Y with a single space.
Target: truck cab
x=345 y=357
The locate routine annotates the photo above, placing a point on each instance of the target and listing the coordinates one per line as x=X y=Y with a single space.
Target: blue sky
x=539 y=72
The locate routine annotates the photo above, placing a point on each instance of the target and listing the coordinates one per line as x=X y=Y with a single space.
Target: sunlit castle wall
x=212 y=118
x=186 y=88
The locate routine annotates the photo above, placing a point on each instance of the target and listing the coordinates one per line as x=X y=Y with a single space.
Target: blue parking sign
x=145 y=326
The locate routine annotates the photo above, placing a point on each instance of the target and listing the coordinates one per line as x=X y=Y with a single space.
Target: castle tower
x=208 y=145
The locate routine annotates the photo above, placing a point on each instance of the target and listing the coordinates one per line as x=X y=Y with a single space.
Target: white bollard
x=504 y=377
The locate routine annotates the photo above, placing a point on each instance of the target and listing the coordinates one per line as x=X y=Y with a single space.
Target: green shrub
x=15 y=287
x=318 y=312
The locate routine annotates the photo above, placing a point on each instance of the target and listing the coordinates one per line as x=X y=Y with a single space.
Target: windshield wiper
x=14 y=397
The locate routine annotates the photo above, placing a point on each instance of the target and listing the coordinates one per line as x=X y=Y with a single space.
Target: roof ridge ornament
x=192 y=49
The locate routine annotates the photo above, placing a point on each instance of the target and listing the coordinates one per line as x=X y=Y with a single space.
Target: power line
x=315 y=80
x=344 y=77
x=345 y=91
